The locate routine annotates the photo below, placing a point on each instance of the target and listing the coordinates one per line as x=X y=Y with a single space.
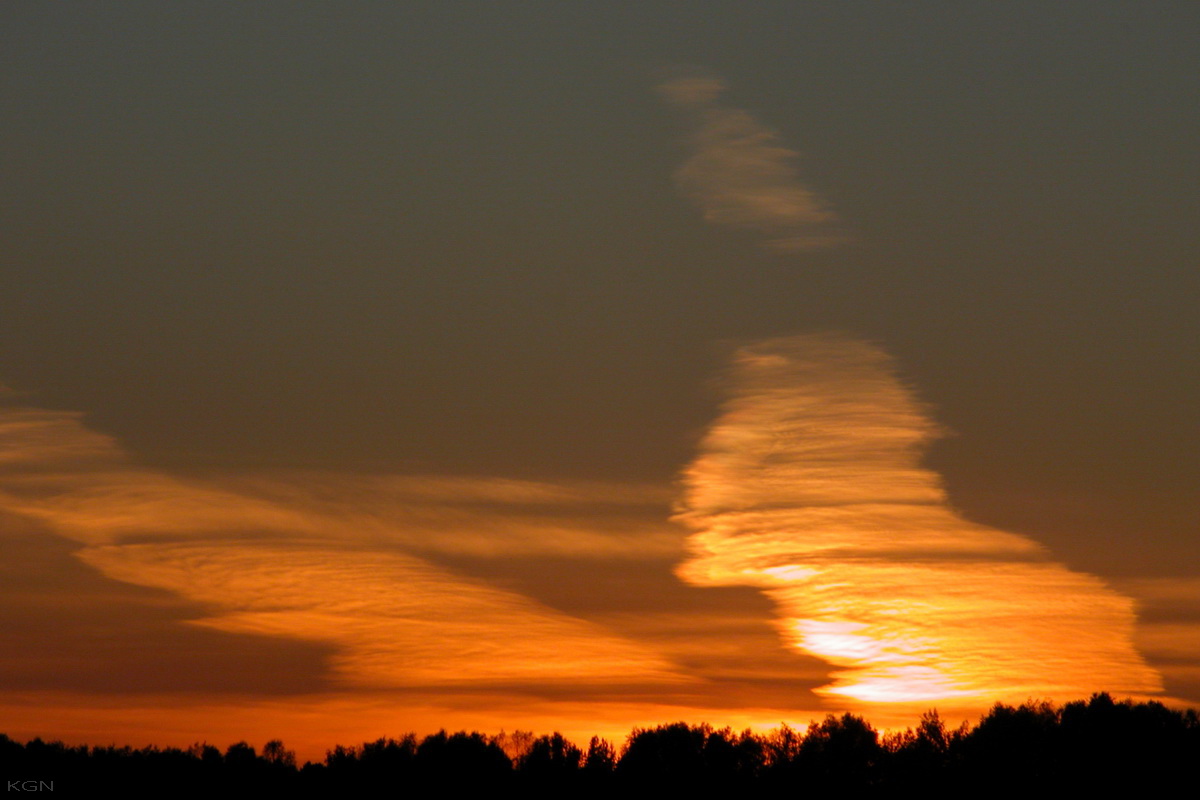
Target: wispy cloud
x=1169 y=628
x=453 y=600
x=740 y=174
x=810 y=487
x=397 y=620
x=338 y=560
x=55 y=469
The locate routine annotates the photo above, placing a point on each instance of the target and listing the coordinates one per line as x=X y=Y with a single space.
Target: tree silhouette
x=551 y=761
x=601 y=756
x=462 y=760
x=1014 y=746
x=683 y=755
x=1141 y=748
x=922 y=757
x=275 y=754
x=840 y=752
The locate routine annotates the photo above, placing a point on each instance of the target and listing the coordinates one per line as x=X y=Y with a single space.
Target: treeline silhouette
x=1035 y=748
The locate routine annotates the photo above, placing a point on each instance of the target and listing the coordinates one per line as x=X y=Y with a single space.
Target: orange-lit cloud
x=739 y=174
x=810 y=487
x=323 y=558
x=416 y=602
x=55 y=469
x=346 y=565
x=1169 y=629
x=397 y=620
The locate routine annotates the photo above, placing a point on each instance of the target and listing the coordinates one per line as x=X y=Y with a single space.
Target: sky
x=574 y=366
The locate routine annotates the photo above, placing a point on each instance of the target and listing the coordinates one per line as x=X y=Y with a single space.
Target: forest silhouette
x=1036 y=748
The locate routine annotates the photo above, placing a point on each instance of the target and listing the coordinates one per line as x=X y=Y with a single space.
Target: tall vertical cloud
x=739 y=174
x=809 y=486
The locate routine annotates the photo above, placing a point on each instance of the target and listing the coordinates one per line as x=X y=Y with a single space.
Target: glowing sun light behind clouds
x=809 y=486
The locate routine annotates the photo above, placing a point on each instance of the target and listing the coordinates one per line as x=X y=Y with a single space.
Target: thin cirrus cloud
x=739 y=174
x=350 y=572
x=54 y=469
x=1169 y=626
x=313 y=558
x=809 y=486
x=396 y=620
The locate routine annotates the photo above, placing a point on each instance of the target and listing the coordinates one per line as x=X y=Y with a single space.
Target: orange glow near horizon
x=808 y=488
x=350 y=562
x=312 y=725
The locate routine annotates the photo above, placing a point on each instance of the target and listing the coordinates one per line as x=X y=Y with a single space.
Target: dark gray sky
x=446 y=238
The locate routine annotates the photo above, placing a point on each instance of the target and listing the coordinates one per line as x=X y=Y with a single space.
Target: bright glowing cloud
x=739 y=174
x=349 y=563
x=807 y=487
x=347 y=566
x=810 y=486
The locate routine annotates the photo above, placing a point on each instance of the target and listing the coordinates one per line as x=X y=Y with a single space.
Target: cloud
x=809 y=486
x=739 y=174
x=1169 y=629
x=341 y=560
x=34 y=442
x=397 y=621
x=80 y=482
x=437 y=600
x=569 y=597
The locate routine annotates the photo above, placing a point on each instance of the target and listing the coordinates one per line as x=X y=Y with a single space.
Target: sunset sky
x=377 y=367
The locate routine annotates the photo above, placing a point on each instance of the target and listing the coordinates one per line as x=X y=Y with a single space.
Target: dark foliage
x=684 y=755
x=1034 y=748
x=841 y=752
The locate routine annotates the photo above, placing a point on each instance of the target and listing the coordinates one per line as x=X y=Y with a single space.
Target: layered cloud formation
x=334 y=559
x=809 y=486
x=739 y=174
